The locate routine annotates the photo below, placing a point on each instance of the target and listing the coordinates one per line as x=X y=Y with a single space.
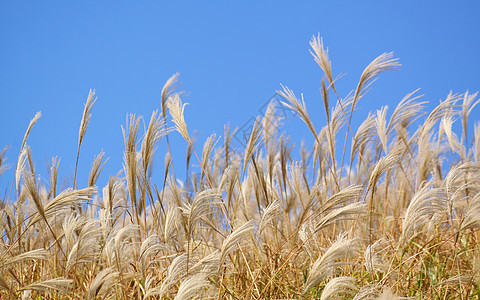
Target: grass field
x=388 y=210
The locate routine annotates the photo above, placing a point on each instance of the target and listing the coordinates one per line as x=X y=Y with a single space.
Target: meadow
x=389 y=209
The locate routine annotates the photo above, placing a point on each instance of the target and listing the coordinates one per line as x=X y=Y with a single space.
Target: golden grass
x=395 y=215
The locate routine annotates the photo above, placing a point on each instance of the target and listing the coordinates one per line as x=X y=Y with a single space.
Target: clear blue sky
x=232 y=56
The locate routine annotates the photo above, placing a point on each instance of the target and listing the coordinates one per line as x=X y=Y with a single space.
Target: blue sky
x=232 y=57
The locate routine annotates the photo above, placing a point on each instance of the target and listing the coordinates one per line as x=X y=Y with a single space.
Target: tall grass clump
x=384 y=210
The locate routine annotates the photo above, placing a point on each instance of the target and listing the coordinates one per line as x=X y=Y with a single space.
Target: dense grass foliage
x=389 y=209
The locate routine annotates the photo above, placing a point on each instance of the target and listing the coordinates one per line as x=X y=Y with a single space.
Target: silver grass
x=172 y=220
x=467 y=106
x=235 y=240
x=207 y=265
x=54 y=176
x=296 y=181
x=193 y=288
x=86 y=248
x=37 y=116
x=381 y=126
x=270 y=213
x=455 y=145
x=96 y=168
x=364 y=135
x=337 y=286
x=472 y=215
x=383 y=165
x=130 y=134
x=206 y=153
x=406 y=112
x=102 y=283
x=87 y=113
x=348 y=194
x=457 y=174
x=298 y=107
x=200 y=206
x=64 y=200
x=70 y=225
x=387 y=294
x=176 y=109
x=176 y=271
x=19 y=169
x=476 y=142
x=155 y=132
x=306 y=235
x=320 y=54
x=252 y=143
x=110 y=191
x=426 y=205
x=270 y=124
x=149 y=290
x=120 y=237
x=37 y=254
x=3 y=166
x=61 y=285
x=167 y=91
x=369 y=292
x=373 y=256
x=150 y=246
x=382 y=63
x=325 y=265
x=457 y=280
x=349 y=212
